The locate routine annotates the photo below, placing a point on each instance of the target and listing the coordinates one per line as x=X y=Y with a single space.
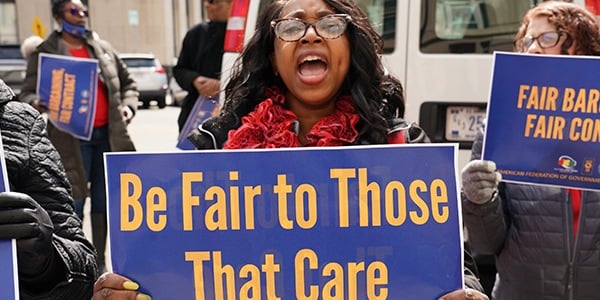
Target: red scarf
x=271 y=125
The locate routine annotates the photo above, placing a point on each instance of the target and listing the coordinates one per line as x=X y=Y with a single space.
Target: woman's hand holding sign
x=111 y=286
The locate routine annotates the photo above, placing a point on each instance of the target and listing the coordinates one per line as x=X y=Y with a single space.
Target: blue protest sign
x=374 y=222
x=67 y=88
x=543 y=125
x=203 y=109
x=9 y=280
x=9 y=283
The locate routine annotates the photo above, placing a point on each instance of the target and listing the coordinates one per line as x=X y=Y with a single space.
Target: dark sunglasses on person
x=545 y=40
x=327 y=27
x=79 y=12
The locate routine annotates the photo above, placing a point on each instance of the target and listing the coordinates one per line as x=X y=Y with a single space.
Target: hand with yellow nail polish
x=111 y=286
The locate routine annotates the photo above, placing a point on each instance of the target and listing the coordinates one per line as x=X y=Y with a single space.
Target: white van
x=441 y=50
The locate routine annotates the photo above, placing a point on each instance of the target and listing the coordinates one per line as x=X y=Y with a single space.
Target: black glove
x=22 y=218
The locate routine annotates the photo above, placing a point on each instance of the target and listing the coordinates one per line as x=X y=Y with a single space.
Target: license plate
x=462 y=122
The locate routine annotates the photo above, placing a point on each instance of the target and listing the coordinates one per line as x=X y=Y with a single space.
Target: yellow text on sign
x=343 y=280
x=417 y=202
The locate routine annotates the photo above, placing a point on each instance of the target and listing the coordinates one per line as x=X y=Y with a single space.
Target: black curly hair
x=377 y=95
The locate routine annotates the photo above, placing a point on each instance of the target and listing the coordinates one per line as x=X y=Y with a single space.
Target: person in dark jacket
x=310 y=76
x=116 y=104
x=546 y=240
x=198 y=68
x=55 y=260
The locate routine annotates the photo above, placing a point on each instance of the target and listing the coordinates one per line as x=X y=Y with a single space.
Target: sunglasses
x=78 y=12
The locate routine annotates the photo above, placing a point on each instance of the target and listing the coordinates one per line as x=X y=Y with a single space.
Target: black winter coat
x=201 y=55
x=34 y=168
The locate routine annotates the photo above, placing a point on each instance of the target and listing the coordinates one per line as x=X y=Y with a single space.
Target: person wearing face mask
x=546 y=240
x=116 y=103
x=311 y=76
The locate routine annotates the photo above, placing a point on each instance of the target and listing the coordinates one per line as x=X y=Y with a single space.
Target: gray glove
x=480 y=180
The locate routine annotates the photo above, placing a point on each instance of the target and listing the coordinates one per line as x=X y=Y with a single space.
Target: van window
x=470 y=26
x=382 y=14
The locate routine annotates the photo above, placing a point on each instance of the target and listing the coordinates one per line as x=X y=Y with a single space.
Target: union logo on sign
x=567 y=162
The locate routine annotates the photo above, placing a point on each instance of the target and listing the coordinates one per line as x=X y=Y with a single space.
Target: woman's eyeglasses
x=327 y=27
x=545 y=40
x=78 y=12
